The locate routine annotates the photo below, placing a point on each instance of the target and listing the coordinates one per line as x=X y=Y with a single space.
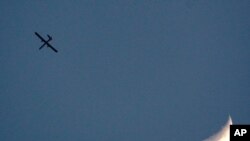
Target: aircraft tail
x=50 y=38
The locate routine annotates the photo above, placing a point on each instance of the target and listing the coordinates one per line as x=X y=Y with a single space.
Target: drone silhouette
x=46 y=42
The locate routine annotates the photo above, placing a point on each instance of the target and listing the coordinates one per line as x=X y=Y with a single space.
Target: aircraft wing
x=40 y=37
x=52 y=47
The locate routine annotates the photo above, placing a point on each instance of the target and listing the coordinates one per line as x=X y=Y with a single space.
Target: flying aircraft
x=46 y=42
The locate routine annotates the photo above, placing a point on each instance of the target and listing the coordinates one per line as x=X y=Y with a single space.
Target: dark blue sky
x=126 y=71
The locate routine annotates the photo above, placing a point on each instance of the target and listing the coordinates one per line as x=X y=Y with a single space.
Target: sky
x=143 y=70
